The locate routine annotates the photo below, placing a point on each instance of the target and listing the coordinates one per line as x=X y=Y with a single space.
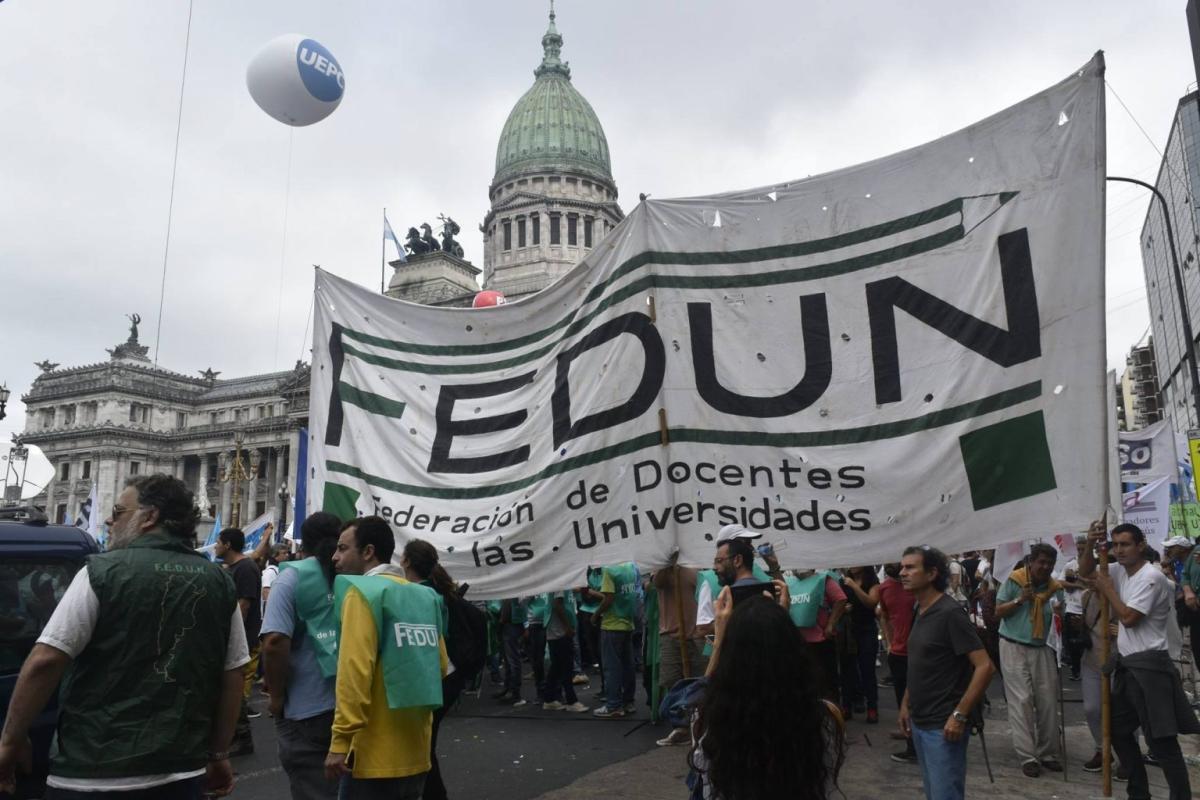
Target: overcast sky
x=696 y=97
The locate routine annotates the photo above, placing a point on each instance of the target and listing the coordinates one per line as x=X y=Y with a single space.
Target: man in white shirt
x=153 y=635
x=1147 y=690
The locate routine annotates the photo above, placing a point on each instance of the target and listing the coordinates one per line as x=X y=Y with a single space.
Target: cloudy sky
x=696 y=97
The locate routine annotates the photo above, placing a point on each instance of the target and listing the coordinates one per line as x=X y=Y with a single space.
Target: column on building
x=250 y=508
x=51 y=502
x=293 y=458
x=226 y=488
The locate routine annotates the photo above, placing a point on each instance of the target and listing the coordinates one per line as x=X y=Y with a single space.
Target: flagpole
x=1105 y=685
x=383 y=254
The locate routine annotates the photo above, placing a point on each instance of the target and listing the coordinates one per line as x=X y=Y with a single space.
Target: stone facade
x=434 y=279
x=106 y=422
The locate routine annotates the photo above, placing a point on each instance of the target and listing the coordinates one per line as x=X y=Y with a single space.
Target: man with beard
x=153 y=635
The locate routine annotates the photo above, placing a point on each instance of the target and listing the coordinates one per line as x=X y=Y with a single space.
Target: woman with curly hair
x=763 y=730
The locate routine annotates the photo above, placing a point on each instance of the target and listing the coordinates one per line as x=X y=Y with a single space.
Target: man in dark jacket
x=154 y=639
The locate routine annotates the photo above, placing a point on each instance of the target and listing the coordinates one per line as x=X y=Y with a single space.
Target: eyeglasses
x=117 y=511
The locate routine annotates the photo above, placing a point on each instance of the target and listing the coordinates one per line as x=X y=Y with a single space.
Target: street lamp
x=237 y=474
x=283 y=507
x=3 y=399
x=16 y=453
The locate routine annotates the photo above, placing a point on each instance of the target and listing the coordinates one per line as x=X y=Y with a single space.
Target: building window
x=587 y=231
x=139 y=412
x=555 y=225
x=69 y=415
x=87 y=470
x=521 y=232
x=60 y=516
x=572 y=224
x=535 y=228
x=271 y=410
x=507 y=225
x=64 y=471
x=212 y=418
x=90 y=410
x=135 y=468
x=180 y=419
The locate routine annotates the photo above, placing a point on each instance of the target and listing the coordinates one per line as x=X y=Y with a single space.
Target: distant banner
x=1149 y=507
x=903 y=352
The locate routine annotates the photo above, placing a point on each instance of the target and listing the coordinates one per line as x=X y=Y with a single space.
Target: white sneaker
x=630 y=708
x=520 y=703
x=576 y=707
x=676 y=736
x=553 y=705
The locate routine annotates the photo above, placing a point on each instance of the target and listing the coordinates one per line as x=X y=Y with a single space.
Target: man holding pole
x=680 y=645
x=1146 y=688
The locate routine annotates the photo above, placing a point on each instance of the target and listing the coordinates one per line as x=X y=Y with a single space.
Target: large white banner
x=909 y=351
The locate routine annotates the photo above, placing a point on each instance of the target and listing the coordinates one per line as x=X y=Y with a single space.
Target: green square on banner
x=1008 y=461
x=340 y=501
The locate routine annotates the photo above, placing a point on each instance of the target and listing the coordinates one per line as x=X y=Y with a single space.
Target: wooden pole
x=1105 y=685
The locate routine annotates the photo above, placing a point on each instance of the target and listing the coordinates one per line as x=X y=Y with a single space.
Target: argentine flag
x=388 y=233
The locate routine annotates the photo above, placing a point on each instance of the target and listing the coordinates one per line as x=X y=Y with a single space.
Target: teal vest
x=568 y=598
x=808 y=595
x=410 y=621
x=536 y=609
x=624 y=578
x=594 y=579
x=314 y=609
x=140 y=698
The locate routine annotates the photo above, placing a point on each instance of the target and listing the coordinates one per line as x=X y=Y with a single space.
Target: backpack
x=466 y=637
x=681 y=700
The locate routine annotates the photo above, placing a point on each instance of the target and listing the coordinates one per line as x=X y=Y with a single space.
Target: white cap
x=730 y=532
x=1177 y=541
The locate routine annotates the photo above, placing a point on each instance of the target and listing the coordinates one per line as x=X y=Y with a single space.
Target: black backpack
x=466 y=640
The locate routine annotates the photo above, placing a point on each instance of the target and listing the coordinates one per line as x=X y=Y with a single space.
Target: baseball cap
x=1177 y=541
x=730 y=532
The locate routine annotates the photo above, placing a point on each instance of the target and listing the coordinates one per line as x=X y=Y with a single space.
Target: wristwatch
x=958 y=716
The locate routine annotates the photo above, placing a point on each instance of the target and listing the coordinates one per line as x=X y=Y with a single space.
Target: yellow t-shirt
x=381 y=742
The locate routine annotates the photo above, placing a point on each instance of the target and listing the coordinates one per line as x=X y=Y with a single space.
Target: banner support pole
x=1105 y=683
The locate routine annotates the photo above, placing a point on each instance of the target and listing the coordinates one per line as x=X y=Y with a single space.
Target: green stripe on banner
x=736 y=281
x=711 y=258
x=375 y=403
x=869 y=433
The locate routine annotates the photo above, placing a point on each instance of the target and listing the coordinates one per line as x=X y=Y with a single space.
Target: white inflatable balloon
x=296 y=80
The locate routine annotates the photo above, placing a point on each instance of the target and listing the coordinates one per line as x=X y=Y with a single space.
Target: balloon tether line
x=287 y=201
x=162 y=292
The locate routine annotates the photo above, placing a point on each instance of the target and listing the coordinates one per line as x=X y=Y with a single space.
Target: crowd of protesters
x=365 y=649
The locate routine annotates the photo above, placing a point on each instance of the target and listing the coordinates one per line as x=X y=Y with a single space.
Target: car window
x=29 y=592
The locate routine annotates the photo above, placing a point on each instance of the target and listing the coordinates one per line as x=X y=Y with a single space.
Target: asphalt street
x=488 y=749
x=493 y=750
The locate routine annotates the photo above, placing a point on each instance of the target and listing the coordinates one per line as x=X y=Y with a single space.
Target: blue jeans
x=617 y=661
x=943 y=764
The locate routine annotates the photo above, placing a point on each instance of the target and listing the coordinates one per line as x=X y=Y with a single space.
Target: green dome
x=552 y=128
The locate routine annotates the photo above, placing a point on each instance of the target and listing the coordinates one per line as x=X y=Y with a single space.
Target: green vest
x=410 y=621
x=594 y=578
x=568 y=598
x=140 y=698
x=808 y=595
x=709 y=577
x=624 y=606
x=536 y=609
x=314 y=609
